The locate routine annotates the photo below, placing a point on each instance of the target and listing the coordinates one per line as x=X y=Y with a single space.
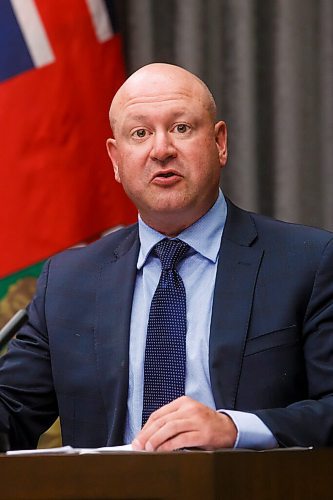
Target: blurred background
x=269 y=64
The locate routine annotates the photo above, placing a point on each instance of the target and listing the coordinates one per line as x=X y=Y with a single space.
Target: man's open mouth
x=167 y=174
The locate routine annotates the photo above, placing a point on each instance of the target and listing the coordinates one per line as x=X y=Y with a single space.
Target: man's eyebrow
x=175 y=114
x=136 y=117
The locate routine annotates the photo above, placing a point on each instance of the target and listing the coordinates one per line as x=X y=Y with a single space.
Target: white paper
x=63 y=450
x=105 y=449
x=68 y=450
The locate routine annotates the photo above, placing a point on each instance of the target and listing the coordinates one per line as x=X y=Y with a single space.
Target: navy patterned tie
x=165 y=357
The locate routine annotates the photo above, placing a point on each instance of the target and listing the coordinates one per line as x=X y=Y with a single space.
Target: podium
x=226 y=475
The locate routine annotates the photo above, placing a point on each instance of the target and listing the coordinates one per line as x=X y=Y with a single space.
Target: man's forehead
x=167 y=108
x=158 y=91
x=175 y=100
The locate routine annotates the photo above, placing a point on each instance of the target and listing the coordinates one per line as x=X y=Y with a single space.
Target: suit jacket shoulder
x=245 y=227
x=107 y=249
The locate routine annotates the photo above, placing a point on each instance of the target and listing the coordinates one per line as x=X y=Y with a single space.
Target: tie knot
x=170 y=252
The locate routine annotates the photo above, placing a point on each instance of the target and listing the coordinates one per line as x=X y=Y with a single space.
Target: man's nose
x=162 y=147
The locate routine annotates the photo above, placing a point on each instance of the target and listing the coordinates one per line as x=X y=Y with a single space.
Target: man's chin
x=169 y=217
x=171 y=201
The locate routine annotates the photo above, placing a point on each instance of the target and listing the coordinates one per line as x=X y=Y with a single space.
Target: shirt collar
x=204 y=236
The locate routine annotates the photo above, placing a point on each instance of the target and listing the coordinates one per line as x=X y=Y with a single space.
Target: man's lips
x=166 y=177
x=166 y=174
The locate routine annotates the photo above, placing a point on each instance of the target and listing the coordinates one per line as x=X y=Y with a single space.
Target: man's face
x=167 y=152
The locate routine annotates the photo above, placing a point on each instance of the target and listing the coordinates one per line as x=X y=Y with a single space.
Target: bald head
x=156 y=80
x=167 y=150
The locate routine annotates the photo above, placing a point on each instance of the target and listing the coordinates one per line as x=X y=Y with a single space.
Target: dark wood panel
x=226 y=475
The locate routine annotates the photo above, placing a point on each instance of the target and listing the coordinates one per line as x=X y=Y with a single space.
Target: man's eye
x=140 y=133
x=181 y=128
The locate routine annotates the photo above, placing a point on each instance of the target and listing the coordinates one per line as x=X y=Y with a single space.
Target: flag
x=17 y=290
x=60 y=64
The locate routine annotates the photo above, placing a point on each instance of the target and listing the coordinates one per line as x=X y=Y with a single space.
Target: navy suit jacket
x=271 y=339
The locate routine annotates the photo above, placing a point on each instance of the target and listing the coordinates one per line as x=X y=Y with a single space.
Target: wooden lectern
x=226 y=475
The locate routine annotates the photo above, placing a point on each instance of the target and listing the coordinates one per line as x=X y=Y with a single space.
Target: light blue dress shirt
x=198 y=272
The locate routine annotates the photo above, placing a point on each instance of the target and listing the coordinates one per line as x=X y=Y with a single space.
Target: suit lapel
x=238 y=266
x=114 y=303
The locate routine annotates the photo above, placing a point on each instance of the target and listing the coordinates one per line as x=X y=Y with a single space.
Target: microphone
x=6 y=334
x=12 y=327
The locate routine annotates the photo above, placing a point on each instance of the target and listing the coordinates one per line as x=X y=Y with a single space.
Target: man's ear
x=111 y=146
x=221 y=142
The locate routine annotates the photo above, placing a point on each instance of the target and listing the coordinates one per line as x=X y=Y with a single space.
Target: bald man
x=259 y=302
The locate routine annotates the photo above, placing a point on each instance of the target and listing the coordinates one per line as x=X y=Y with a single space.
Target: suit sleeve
x=310 y=422
x=28 y=404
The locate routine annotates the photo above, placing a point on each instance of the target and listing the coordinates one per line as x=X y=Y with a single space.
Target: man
x=259 y=302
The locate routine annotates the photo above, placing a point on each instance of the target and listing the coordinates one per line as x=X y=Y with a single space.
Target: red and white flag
x=60 y=64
